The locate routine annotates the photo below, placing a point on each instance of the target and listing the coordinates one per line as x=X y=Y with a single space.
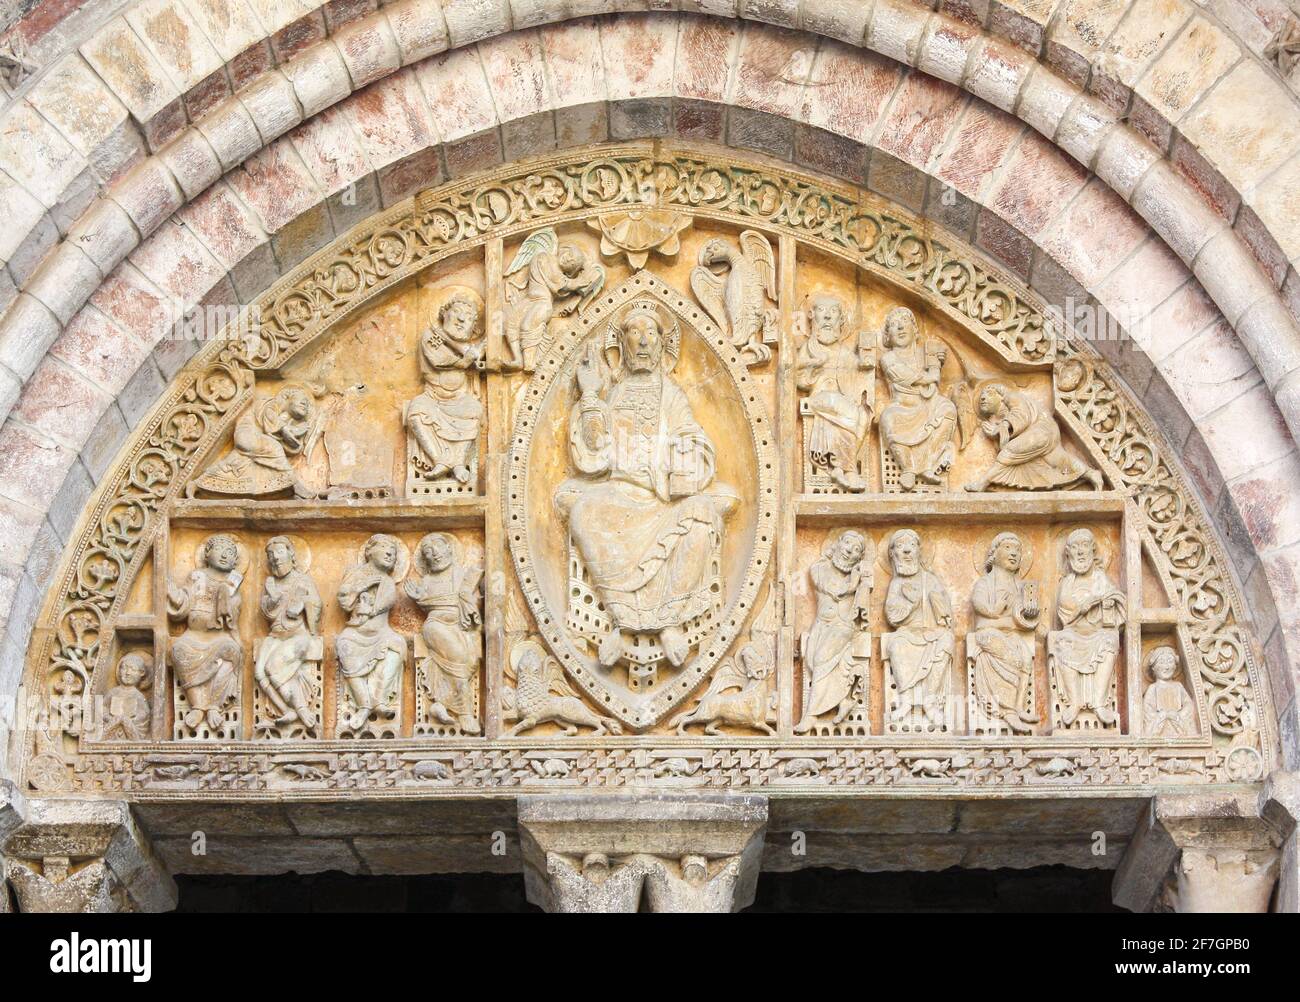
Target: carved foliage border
x=405 y=240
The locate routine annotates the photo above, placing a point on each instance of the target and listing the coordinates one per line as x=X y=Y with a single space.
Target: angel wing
x=556 y=683
x=963 y=397
x=544 y=241
x=755 y=246
x=709 y=290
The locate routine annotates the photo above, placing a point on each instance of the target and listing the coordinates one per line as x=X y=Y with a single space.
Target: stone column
x=1199 y=852
x=12 y=810
x=627 y=853
x=1279 y=805
x=84 y=856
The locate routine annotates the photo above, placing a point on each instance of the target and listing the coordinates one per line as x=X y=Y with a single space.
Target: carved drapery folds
x=644 y=442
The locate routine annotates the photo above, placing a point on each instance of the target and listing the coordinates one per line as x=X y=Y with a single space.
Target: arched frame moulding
x=120 y=529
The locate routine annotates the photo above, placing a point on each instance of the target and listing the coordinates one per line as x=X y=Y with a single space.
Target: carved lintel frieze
x=626 y=854
x=1201 y=852
x=84 y=856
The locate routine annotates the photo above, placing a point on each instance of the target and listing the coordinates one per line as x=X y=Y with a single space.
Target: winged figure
x=546 y=279
x=542 y=694
x=737 y=296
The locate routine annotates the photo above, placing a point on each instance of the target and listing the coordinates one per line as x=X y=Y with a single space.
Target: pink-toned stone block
x=22 y=525
x=1210 y=370
x=105 y=233
x=1134 y=289
x=919 y=118
x=79 y=104
x=1238 y=452
x=169 y=32
x=574 y=70
x=100 y=351
x=64 y=281
x=1194 y=61
x=706 y=52
x=369 y=50
x=1180 y=318
x=272 y=104
x=979 y=147
x=1229 y=273
x=276 y=185
x=1269 y=503
x=848 y=90
x=896 y=28
x=1094 y=233
x=516 y=73
x=229 y=25
x=34 y=154
x=330 y=150
x=772 y=68
x=419 y=28
x=391 y=119
x=231 y=132
x=1035 y=184
x=638 y=52
x=177 y=262
x=135 y=304
x=457 y=94
x=149 y=194
x=997 y=72
x=1276 y=201
x=121 y=60
x=32 y=467
x=319 y=77
x=60 y=404
x=192 y=161
x=945 y=51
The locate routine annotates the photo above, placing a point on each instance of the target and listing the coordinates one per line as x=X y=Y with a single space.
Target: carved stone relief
x=524 y=471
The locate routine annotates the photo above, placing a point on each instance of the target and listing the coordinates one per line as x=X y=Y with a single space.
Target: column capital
x=84 y=856
x=1205 y=851
x=603 y=853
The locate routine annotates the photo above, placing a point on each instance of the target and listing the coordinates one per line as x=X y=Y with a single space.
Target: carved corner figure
x=207 y=658
x=1030 y=454
x=1168 y=710
x=542 y=695
x=450 y=646
x=919 y=424
x=545 y=280
x=287 y=664
x=918 y=654
x=1000 y=648
x=645 y=514
x=267 y=437
x=443 y=421
x=836 y=374
x=127 y=714
x=741 y=693
x=737 y=299
x=371 y=654
x=1082 y=654
x=837 y=650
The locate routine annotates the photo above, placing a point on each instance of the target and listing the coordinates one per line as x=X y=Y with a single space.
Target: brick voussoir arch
x=952 y=48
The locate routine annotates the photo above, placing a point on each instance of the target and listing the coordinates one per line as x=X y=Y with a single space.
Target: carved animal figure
x=173 y=772
x=737 y=301
x=739 y=694
x=795 y=767
x=542 y=695
x=930 y=768
x=551 y=768
x=1056 y=767
x=676 y=767
x=304 y=771
x=430 y=769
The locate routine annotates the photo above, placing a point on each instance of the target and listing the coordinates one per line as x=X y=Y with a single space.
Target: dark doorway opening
x=1040 y=889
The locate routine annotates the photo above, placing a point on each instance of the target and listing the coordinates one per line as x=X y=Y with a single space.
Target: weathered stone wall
x=175 y=160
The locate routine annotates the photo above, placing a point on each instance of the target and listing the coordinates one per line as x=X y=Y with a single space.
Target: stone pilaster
x=1279 y=805
x=634 y=853
x=84 y=856
x=1200 y=852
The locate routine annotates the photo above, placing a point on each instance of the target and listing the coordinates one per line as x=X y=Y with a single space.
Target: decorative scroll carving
x=370 y=652
x=545 y=280
x=737 y=300
x=717 y=562
x=450 y=647
x=837 y=650
x=837 y=375
x=918 y=654
x=1000 y=649
x=208 y=658
x=443 y=422
x=1081 y=656
x=287 y=662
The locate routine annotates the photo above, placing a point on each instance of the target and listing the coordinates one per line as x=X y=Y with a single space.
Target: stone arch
x=227 y=225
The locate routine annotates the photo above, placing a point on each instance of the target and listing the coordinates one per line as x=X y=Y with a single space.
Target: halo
x=927 y=549
x=981 y=551
x=241 y=552
x=518 y=650
x=457 y=550
x=301 y=551
x=401 y=566
x=1148 y=661
x=1100 y=542
x=669 y=326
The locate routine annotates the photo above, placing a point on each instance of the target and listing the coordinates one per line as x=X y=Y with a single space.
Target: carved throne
x=265 y=713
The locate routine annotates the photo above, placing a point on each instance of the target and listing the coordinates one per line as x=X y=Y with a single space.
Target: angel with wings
x=546 y=279
x=737 y=299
